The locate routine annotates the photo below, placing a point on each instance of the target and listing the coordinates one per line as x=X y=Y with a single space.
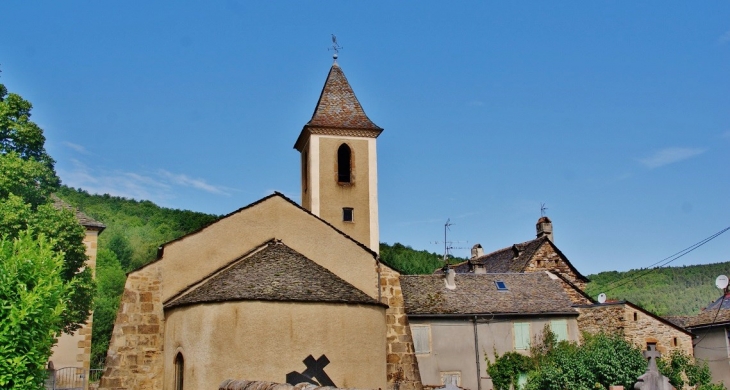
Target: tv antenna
x=335 y=47
x=543 y=209
x=448 y=245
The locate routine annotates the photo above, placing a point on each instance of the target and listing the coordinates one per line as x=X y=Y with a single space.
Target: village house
x=542 y=255
x=712 y=345
x=458 y=320
x=276 y=291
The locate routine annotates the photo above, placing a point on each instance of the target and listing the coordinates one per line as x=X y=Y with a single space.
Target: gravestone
x=652 y=379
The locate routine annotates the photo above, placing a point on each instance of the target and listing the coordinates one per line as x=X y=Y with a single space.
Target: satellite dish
x=721 y=282
x=601 y=298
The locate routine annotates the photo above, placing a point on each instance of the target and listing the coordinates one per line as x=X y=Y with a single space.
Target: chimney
x=477 y=251
x=545 y=228
x=450 y=279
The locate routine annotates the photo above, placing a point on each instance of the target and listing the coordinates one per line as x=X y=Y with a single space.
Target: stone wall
x=619 y=318
x=402 y=366
x=547 y=259
x=134 y=360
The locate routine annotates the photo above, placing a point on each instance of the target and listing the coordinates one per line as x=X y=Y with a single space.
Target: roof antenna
x=335 y=47
x=542 y=209
x=448 y=245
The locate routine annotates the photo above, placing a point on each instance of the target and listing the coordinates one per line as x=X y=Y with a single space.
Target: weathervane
x=335 y=47
x=542 y=209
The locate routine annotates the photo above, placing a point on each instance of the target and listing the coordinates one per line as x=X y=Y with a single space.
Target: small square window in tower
x=348 y=214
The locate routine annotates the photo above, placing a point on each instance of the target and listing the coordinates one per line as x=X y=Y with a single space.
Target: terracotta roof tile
x=275 y=272
x=530 y=293
x=338 y=106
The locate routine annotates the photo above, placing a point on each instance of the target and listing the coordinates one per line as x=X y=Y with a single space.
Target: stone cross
x=651 y=354
x=652 y=379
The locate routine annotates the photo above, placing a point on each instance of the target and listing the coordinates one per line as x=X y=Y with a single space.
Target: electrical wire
x=662 y=263
x=719 y=307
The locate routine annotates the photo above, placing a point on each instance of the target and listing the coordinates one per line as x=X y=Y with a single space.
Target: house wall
x=196 y=256
x=645 y=329
x=452 y=346
x=714 y=349
x=258 y=340
x=74 y=350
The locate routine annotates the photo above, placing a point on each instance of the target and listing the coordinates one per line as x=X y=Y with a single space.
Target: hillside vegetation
x=663 y=291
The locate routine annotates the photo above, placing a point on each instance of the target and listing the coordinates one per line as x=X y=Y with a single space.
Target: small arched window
x=344 y=164
x=179 y=371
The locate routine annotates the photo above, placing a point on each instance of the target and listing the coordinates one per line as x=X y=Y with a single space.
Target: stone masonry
x=636 y=325
x=135 y=357
x=547 y=259
x=402 y=366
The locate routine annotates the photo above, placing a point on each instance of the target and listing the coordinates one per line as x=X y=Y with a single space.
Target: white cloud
x=158 y=187
x=724 y=38
x=670 y=155
x=76 y=147
x=185 y=181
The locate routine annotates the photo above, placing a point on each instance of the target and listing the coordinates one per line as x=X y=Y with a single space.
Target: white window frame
x=427 y=330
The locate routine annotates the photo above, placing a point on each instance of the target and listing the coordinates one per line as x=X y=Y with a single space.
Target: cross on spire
x=335 y=47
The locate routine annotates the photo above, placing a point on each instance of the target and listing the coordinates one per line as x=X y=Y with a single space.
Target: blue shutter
x=560 y=328
x=522 y=335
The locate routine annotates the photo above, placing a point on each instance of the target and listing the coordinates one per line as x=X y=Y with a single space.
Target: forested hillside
x=410 y=261
x=663 y=291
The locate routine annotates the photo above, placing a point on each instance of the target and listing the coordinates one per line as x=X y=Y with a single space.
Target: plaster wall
x=257 y=340
x=452 y=347
x=334 y=196
x=713 y=348
x=196 y=256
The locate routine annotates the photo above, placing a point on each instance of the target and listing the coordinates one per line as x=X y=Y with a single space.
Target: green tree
x=33 y=296
x=110 y=285
x=27 y=180
x=122 y=249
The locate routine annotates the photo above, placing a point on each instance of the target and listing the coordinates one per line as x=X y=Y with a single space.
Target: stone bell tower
x=339 y=162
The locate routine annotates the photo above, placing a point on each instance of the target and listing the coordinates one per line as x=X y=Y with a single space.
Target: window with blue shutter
x=560 y=328
x=522 y=335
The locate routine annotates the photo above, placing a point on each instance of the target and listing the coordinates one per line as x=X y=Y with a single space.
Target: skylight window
x=501 y=286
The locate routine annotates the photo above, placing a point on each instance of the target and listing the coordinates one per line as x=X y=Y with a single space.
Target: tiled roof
x=514 y=258
x=274 y=272
x=716 y=313
x=84 y=220
x=511 y=259
x=528 y=293
x=338 y=106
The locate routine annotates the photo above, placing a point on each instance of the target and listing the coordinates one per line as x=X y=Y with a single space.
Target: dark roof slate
x=338 y=106
x=84 y=220
x=514 y=258
x=527 y=293
x=274 y=272
x=717 y=313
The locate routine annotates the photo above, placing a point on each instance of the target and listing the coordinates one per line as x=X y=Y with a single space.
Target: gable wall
x=196 y=256
x=619 y=318
x=547 y=259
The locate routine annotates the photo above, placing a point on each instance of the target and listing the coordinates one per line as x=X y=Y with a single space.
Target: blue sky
x=614 y=114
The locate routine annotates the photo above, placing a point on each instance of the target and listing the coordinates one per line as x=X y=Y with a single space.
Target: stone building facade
x=638 y=326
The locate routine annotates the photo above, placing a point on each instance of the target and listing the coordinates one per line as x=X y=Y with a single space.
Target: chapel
x=277 y=291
